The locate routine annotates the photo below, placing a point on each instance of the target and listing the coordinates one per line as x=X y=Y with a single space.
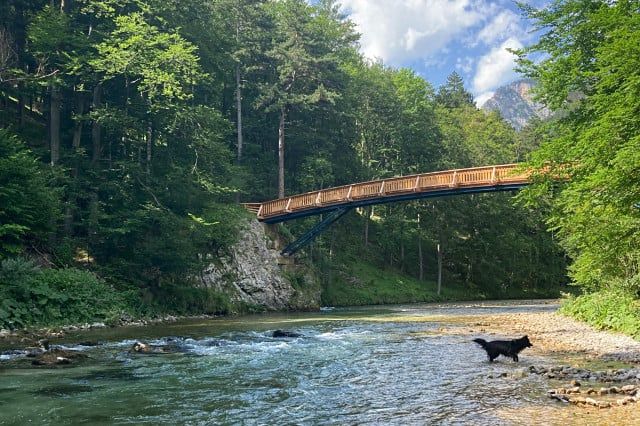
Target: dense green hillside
x=132 y=129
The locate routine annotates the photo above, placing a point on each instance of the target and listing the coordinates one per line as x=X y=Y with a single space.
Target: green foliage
x=363 y=283
x=614 y=310
x=165 y=66
x=452 y=94
x=146 y=187
x=592 y=71
x=27 y=202
x=32 y=296
x=185 y=299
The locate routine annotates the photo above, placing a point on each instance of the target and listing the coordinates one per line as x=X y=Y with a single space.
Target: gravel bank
x=554 y=334
x=551 y=332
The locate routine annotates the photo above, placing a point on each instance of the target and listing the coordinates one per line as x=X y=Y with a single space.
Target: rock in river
x=283 y=333
x=144 y=348
x=57 y=357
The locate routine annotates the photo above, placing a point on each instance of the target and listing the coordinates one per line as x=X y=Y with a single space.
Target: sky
x=436 y=37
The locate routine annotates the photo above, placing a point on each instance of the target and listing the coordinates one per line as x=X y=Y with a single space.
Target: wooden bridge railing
x=426 y=182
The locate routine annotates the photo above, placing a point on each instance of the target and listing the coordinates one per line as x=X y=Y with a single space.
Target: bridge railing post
x=454 y=180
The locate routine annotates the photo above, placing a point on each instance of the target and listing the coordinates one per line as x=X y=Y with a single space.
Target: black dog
x=509 y=348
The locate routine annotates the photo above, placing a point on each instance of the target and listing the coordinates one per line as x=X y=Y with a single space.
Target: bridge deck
x=476 y=179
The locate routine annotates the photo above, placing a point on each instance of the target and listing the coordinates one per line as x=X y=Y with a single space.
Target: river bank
x=574 y=344
x=391 y=364
x=552 y=332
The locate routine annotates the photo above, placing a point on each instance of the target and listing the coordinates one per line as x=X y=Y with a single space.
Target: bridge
x=337 y=201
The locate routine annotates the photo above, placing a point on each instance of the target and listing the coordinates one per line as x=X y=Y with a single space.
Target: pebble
x=562 y=394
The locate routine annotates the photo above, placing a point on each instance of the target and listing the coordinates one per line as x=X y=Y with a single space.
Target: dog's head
x=525 y=342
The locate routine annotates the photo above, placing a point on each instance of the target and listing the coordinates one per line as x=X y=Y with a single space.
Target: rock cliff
x=255 y=274
x=516 y=104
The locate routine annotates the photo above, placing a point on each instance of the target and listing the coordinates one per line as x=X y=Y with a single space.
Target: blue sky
x=436 y=37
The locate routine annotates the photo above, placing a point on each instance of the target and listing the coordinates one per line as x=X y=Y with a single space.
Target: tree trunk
x=77 y=138
x=54 y=125
x=21 y=105
x=402 y=248
x=79 y=122
x=439 y=249
x=283 y=113
x=95 y=128
x=367 y=219
x=149 y=144
x=239 y=112
x=420 y=258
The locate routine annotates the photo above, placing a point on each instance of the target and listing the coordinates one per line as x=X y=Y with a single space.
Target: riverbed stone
x=284 y=333
x=57 y=357
x=628 y=389
x=591 y=401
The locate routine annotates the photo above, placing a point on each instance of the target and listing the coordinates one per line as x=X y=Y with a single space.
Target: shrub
x=32 y=296
x=608 y=310
x=185 y=299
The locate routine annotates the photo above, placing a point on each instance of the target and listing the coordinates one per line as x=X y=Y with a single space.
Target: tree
x=591 y=71
x=26 y=201
x=452 y=94
x=302 y=61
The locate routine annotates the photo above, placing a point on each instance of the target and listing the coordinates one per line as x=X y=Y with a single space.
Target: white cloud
x=504 y=25
x=483 y=97
x=496 y=67
x=401 y=31
x=465 y=64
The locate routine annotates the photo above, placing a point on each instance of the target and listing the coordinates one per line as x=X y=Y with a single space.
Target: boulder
x=144 y=348
x=57 y=357
x=283 y=333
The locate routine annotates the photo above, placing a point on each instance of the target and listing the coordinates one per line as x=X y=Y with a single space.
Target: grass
x=358 y=282
x=361 y=283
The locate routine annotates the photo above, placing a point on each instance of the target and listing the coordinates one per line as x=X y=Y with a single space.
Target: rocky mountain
x=515 y=103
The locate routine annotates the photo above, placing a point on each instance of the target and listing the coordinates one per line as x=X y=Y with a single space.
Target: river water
x=390 y=365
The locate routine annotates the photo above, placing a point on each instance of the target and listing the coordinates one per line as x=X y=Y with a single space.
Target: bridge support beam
x=312 y=233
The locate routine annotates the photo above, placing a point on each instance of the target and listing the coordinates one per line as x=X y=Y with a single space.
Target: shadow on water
x=62 y=390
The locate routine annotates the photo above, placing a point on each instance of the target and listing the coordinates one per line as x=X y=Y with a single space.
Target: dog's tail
x=481 y=342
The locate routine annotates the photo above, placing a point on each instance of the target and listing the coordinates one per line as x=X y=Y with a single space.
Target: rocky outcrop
x=255 y=274
x=516 y=104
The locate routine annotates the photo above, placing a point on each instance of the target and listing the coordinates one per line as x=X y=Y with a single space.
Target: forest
x=131 y=131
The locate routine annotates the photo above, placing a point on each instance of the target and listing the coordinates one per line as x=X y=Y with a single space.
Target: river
x=375 y=365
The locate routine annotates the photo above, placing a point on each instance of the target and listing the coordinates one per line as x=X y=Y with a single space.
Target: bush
x=184 y=299
x=608 y=310
x=31 y=296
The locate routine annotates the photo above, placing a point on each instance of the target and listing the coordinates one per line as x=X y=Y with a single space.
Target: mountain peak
x=515 y=103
